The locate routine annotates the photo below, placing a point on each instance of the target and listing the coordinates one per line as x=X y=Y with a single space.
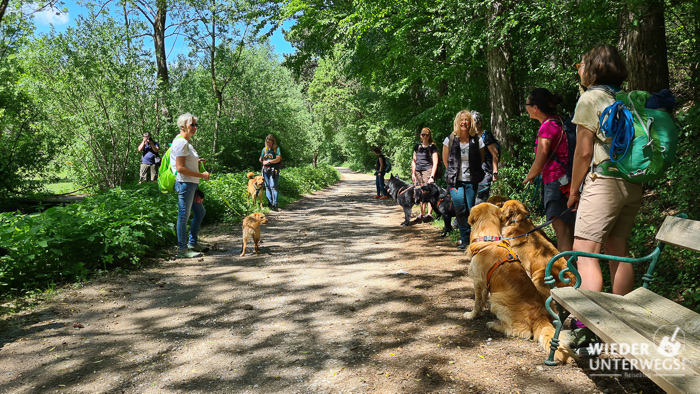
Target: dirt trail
x=322 y=309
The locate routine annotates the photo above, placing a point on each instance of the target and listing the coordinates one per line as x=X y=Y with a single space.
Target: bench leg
x=558 y=323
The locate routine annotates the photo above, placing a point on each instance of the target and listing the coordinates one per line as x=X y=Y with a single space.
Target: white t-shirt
x=464 y=175
x=182 y=147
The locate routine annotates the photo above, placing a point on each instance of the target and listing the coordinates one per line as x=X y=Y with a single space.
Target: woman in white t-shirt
x=185 y=160
x=463 y=155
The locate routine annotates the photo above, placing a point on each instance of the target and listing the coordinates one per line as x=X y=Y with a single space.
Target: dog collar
x=516 y=221
x=488 y=238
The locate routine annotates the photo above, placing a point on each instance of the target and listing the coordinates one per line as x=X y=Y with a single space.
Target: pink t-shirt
x=551 y=128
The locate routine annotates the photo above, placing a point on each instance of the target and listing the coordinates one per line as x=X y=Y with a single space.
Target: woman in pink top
x=551 y=157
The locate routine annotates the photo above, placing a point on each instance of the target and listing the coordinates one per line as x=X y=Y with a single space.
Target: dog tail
x=251 y=175
x=544 y=332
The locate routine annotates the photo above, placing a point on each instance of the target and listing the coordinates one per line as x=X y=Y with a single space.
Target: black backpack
x=570 y=132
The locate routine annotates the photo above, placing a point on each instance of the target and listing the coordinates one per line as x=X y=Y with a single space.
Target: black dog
x=405 y=195
x=441 y=201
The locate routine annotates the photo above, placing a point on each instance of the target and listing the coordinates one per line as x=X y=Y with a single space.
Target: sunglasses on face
x=579 y=65
x=425 y=135
x=193 y=124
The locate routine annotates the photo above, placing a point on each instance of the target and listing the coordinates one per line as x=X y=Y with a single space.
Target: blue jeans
x=379 y=182
x=463 y=197
x=185 y=203
x=271 y=181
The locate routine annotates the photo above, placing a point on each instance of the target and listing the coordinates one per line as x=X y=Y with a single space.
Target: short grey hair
x=184 y=118
x=477 y=117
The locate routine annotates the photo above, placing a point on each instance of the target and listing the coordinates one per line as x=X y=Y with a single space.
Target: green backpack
x=653 y=147
x=166 y=177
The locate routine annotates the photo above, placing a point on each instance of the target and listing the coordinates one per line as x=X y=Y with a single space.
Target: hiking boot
x=582 y=337
x=188 y=254
x=462 y=246
x=199 y=247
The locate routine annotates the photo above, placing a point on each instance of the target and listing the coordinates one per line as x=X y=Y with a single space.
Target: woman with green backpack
x=608 y=205
x=185 y=161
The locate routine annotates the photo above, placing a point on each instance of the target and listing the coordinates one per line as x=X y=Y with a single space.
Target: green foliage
x=115 y=228
x=121 y=226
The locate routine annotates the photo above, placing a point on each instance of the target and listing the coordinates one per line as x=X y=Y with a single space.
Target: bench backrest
x=680 y=232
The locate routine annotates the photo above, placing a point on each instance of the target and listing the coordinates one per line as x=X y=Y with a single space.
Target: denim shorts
x=555 y=203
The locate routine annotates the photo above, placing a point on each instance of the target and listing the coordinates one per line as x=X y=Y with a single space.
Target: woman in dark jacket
x=463 y=154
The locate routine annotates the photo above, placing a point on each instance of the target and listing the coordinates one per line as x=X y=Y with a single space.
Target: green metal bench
x=652 y=327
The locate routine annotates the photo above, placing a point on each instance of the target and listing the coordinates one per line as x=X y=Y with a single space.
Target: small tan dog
x=495 y=268
x=256 y=186
x=251 y=226
x=534 y=250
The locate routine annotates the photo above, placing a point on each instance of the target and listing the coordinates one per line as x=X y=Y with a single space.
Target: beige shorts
x=607 y=207
x=422 y=177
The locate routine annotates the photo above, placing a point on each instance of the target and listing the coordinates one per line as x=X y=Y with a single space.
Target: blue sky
x=61 y=21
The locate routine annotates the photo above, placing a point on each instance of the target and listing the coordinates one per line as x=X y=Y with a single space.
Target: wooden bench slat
x=680 y=232
x=667 y=310
x=613 y=330
x=651 y=322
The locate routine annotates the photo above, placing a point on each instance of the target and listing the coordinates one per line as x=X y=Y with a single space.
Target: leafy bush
x=62 y=244
x=120 y=226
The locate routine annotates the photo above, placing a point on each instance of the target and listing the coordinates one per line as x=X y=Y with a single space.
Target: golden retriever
x=514 y=299
x=534 y=250
x=251 y=226
x=256 y=186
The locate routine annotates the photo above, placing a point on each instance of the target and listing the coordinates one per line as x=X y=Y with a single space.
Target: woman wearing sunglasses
x=423 y=167
x=185 y=160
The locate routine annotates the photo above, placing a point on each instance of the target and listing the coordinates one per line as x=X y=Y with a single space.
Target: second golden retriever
x=534 y=250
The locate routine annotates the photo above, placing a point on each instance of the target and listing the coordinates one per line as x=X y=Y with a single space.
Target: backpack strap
x=561 y=137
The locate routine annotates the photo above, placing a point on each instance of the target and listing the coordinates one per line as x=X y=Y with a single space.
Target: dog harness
x=510 y=258
x=441 y=200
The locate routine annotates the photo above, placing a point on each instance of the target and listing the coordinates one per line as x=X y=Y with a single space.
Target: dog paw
x=470 y=315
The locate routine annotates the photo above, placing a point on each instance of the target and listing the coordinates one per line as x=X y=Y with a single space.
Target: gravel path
x=322 y=309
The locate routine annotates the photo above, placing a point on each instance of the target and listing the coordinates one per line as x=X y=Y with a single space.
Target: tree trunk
x=442 y=85
x=644 y=46
x=159 y=43
x=3 y=7
x=499 y=59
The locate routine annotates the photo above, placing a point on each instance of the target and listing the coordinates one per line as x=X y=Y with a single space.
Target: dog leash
x=541 y=226
x=222 y=197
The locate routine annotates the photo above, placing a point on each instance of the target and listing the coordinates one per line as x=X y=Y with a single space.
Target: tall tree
x=643 y=41
x=499 y=54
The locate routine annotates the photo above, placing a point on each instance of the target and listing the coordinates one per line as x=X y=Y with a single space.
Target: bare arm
x=494 y=154
x=436 y=163
x=582 y=159
x=543 y=147
x=445 y=155
x=413 y=167
x=181 y=169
